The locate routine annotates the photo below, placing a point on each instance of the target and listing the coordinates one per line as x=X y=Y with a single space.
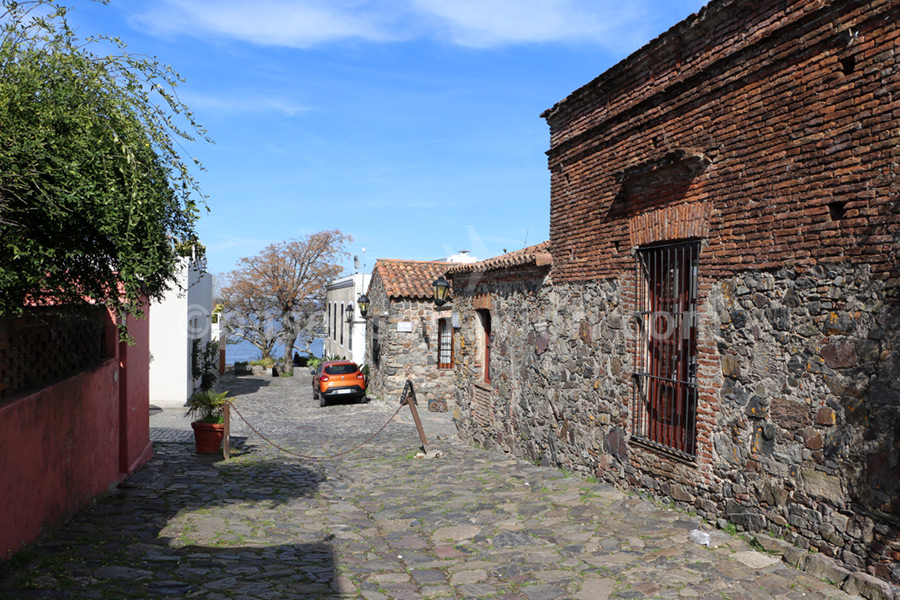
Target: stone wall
x=560 y=376
x=809 y=432
x=803 y=430
x=394 y=356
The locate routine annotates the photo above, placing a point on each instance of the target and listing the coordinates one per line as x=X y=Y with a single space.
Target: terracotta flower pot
x=208 y=437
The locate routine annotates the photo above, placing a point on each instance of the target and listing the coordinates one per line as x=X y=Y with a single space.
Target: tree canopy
x=95 y=194
x=284 y=285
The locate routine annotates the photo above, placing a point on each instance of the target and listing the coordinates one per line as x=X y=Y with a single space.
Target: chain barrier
x=326 y=457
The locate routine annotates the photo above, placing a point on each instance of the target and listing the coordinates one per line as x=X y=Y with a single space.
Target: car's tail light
x=323 y=378
x=360 y=376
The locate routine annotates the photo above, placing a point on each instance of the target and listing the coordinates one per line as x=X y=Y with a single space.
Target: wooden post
x=415 y=415
x=409 y=397
x=226 y=450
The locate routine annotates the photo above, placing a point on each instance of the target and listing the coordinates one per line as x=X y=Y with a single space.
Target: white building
x=182 y=316
x=345 y=329
x=464 y=256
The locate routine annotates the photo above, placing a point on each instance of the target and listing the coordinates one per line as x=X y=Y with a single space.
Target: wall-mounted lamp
x=441 y=289
x=363 y=303
x=349 y=315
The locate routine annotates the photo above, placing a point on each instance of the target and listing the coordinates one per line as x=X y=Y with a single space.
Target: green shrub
x=207 y=406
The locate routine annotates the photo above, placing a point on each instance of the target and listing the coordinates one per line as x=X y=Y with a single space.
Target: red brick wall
x=764 y=111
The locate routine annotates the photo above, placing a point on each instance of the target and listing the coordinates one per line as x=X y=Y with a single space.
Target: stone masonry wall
x=394 y=356
x=804 y=430
x=809 y=433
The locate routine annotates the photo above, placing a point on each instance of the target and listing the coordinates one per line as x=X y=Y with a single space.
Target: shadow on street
x=216 y=529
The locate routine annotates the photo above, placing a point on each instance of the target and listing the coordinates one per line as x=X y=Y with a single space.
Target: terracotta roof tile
x=538 y=255
x=409 y=278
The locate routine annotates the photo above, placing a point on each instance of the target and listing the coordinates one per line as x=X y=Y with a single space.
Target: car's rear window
x=340 y=369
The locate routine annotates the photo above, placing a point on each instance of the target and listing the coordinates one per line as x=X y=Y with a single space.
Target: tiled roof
x=538 y=255
x=409 y=278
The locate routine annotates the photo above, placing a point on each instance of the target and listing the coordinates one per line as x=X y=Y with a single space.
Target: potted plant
x=208 y=409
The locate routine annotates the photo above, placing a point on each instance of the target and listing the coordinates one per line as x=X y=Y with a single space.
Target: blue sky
x=412 y=125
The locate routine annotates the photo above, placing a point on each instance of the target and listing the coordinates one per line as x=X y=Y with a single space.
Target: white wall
x=343 y=292
x=182 y=314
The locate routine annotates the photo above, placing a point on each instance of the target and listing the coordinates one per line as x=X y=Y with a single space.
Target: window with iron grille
x=445 y=344
x=665 y=352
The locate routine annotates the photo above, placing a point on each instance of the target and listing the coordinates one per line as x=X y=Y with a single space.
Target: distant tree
x=94 y=193
x=246 y=315
x=285 y=282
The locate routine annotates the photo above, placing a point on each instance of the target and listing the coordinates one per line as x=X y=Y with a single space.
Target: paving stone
x=516 y=539
x=475 y=590
x=544 y=592
x=119 y=572
x=596 y=589
x=756 y=560
x=428 y=576
x=456 y=533
x=468 y=576
x=378 y=524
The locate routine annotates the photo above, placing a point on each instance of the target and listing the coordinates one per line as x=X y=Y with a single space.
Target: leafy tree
x=94 y=191
x=285 y=282
x=247 y=315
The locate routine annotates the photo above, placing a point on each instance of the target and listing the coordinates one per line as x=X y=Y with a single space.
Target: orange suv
x=338 y=379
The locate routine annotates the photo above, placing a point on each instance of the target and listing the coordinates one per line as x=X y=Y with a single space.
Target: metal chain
x=328 y=456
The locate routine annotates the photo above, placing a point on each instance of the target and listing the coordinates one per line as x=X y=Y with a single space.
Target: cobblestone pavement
x=378 y=523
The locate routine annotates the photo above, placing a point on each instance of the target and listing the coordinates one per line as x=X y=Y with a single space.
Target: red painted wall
x=70 y=442
x=135 y=448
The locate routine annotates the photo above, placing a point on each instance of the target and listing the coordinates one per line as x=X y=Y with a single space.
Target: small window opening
x=484 y=343
x=848 y=65
x=837 y=210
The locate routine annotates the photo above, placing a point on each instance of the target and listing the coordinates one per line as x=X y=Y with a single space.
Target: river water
x=245 y=351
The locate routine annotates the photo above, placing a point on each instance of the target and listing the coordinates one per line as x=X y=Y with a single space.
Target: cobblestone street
x=378 y=523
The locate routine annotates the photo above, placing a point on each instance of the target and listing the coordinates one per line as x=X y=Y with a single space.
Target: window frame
x=665 y=394
x=484 y=353
x=445 y=332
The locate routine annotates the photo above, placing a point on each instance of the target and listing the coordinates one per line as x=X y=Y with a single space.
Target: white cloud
x=479 y=23
x=292 y=23
x=257 y=104
x=472 y=23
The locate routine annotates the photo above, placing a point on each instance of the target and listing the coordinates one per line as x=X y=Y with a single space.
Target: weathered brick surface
x=747 y=108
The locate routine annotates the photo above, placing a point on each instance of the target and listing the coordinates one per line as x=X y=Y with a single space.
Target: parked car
x=338 y=379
